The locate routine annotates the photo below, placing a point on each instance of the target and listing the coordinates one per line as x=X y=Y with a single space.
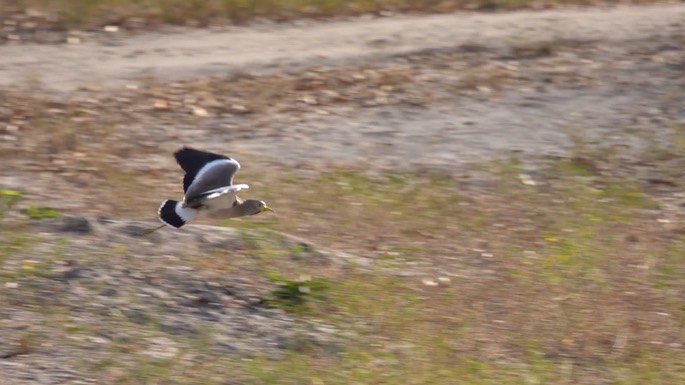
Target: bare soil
x=482 y=84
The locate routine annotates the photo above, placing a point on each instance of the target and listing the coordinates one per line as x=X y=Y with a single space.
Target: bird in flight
x=208 y=188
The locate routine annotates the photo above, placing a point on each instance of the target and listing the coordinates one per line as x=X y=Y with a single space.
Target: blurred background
x=467 y=192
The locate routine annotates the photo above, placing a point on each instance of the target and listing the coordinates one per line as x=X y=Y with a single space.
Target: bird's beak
x=267 y=208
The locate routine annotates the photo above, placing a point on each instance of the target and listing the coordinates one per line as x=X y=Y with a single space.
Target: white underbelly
x=218 y=203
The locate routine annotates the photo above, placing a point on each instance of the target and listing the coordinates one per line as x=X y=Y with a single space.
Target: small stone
x=484 y=89
x=134 y=22
x=177 y=327
x=11 y=285
x=240 y=109
x=304 y=289
x=108 y=292
x=79 y=273
x=160 y=105
x=309 y=99
x=207 y=298
x=161 y=348
x=137 y=316
x=98 y=340
x=154 y=292
x=632 y=238
x=74 y=225
x=527 y=180
x=199 y=111
x=224 y=347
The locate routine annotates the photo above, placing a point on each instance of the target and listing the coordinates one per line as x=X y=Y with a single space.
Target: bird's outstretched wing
x=205 y=168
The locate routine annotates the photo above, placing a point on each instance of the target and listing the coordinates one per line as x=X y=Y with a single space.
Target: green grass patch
x=39 y=212
x=8 y=198
x=294 y=295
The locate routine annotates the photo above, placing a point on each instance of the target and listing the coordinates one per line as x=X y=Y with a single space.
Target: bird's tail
x=172 y=213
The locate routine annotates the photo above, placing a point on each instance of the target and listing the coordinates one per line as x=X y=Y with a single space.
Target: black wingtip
x=169 y=216
x=192 y=160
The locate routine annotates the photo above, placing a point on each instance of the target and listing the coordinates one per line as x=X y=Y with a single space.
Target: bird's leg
x=152 y=230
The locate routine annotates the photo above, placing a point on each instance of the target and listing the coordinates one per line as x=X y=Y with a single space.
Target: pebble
x=161 y=348
x=73 y=224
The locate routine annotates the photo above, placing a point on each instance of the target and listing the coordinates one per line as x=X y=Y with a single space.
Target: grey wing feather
x=214 y=175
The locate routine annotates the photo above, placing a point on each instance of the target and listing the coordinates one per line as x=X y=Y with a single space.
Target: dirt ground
x=484 y=85
x=88 y=128
x=115 y=59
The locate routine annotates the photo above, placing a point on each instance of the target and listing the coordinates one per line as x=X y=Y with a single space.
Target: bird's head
x=255 y=207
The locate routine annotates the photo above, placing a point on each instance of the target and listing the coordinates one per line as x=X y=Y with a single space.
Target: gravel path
x=181 y=52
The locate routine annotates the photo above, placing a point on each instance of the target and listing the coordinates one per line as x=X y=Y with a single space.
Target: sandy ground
x=632 y=58
x=116 y=60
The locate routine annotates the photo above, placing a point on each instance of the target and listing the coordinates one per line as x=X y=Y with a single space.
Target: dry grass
x=570 y=281
x=136 y=14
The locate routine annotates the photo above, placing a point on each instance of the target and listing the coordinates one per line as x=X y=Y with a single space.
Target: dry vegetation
x=576 y=279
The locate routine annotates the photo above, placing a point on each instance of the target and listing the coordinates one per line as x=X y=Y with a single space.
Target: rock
x=80 y=273
x=208 y=298
x=177 y=327
x=108 y=291
x=137 y=316
x=224 y=347
x=154 y=292
x=72 y=224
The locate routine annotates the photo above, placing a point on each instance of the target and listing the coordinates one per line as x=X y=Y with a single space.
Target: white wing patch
x=217 y=192
x=186 y=213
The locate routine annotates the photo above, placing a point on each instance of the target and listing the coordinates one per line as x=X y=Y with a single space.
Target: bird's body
x=208 y=188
